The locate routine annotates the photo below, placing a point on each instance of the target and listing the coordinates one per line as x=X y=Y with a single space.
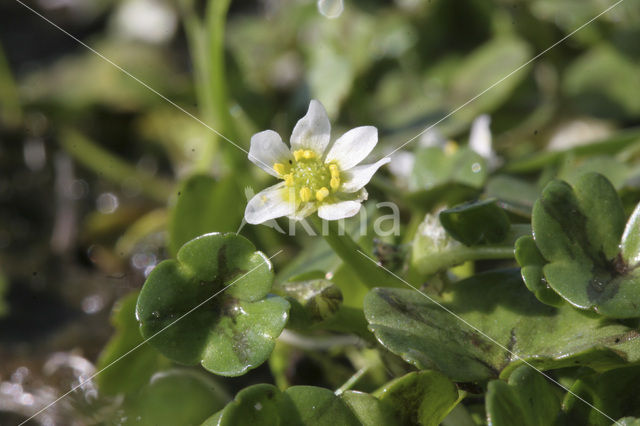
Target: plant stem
x=10 y=100
x=206 y=44
x=352 y=380
x=353 y=255
x=110 y=167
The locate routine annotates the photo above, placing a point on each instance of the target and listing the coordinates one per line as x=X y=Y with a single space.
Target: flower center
x=308 y=176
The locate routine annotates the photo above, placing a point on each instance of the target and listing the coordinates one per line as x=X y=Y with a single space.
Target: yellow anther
x=335 y=183
x=450 y=147
x=305 y=194
x=335 y=172
x=297 y=154
x=288 y=179
x=308 y=154
x=322 y=193
x=279 y=168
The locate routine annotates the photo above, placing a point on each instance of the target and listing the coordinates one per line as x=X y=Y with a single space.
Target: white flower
x=314 y=177
x=480 y=140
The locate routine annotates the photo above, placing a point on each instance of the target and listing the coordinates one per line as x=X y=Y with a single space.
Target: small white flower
x=480 y=140
x=315 y=178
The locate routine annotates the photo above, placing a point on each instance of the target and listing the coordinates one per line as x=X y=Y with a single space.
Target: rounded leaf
x=188 y=314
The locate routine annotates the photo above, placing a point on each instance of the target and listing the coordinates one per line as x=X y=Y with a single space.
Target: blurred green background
x=92 y=161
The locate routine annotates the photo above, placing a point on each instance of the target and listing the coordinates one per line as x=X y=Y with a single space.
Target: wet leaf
x=299 y=405
x=476 y=223
x=498 y=303
x=233 y=330
x=420 y=398
x=528 y=399
x=579 y=231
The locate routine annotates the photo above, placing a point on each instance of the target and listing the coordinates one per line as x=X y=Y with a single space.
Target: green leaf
x=630 y=244
x=598 y=83
x=528 y=400
x=616 y=171
x=132 y=371
x=176 y=397
x=233 y=330
x=485 y=67
x=319 y=406
x=532 y=262
x=434 y=167
x=425 y=335
x=476 y=223
x=578 y=231
x=369 y=410
x=627 y=421
x=204 y=205
x=420 y=398
x=516 y=195
x=299 y=405
x=312 y=301
x=614 y=393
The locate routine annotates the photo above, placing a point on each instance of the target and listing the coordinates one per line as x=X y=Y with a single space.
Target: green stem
x=206 y=44
x=352 y=380
x=430 y=262
x=10 y=108
x=110 y=167
x=353 y=255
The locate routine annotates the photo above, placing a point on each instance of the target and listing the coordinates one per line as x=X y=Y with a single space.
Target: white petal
x=268 y=204
x=304 y=210
x=480 y=136
x=359 y=176
x=312 y=131
x=339 y=210
x=266 y=149
x=352 y=147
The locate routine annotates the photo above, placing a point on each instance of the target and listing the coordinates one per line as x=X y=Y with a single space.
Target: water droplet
x=476 y=167
x=155 y=314
x=107 y=203
x=330 y=8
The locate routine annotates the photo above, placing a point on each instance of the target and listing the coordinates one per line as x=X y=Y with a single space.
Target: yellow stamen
x=288 y=179
x=305 y=194
x=335 y=172
x=322 y=193
x=279 y=168
x=335 y=183
x=450 y=147
x=308 y=154
x=298 y=154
